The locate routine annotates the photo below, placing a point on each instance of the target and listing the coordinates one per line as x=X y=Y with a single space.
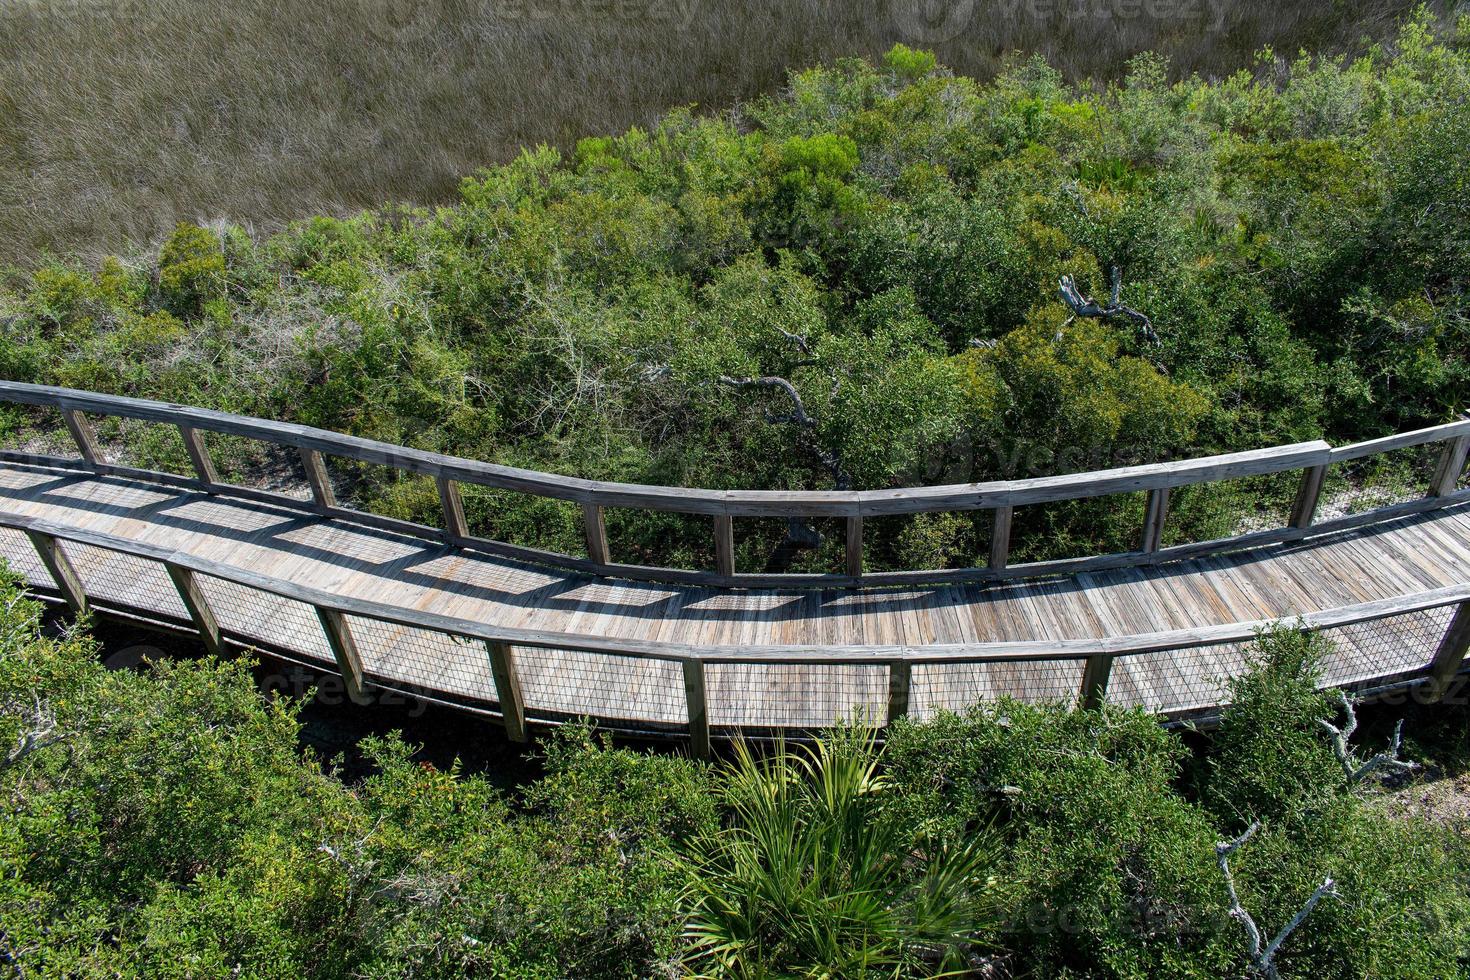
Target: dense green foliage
x=1299 y=237
x=175 y=829
x=165 y=822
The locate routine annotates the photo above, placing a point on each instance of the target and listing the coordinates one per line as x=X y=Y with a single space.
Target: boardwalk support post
x=695 y=697
x=508 y=690
x=1095 y=680
x=855 y=546
x=900 y=677
x=724 y=545
x=1000 y=537
x=68 y=583
x=1451 y=463
x=84 y=437
x=455 y=528
x=1156 y=511
x=344 y=649
x=321 y=482
x=1451 y=654
x=199 y=456
x=594 y=527
x=198 y=607
x=1304 y=509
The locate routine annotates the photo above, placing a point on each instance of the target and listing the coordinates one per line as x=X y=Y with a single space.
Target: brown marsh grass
x=119 y=118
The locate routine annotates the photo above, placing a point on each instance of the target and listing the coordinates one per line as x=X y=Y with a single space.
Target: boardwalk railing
x=1419 y=639
x=723 y=507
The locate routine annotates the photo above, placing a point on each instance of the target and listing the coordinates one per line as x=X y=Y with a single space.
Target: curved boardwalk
x=475 y=624
x=1401 y=557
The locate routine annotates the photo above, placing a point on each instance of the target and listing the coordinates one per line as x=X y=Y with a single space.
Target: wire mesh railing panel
x=1176 y=680
x=571 y=682
x=118 y=579
x=265 y=618
x=795 y=695
x=439 y=662
x=957 y=687
x=21 y=556
x=1385 y=649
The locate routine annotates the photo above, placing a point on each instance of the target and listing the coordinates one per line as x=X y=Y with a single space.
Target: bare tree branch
x=1263 y=957
x=799 y=414
x=1388 y=759
x=1085 y=306
x=801 y=342
x=38 y=732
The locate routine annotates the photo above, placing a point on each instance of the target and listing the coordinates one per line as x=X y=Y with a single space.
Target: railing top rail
x=745 y=503
x=1075 y=649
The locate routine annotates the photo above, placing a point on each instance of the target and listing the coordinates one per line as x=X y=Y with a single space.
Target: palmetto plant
x=814 y=876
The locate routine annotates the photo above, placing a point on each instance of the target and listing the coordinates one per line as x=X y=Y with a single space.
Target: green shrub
x=1112 y=873
x=1271 y=760
x=191 y=269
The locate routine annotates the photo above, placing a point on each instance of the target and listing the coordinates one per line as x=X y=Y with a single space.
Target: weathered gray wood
x=900 y=681
x=1304 y=508
x=1403 y=440
x=199 y=455
x=319 y=479
x=855 y=547
x=726 y=503
x=508 y=689
x=84 y=436
x=1000 y=537
x=697 y=700
x=937 y=653
x=344 y=649
x=455 y=528
x=197 y=605
x=594 y=527
x=1451 y=465
x=68 y=582
x=1095 y=681
x=1450 y=655
x=1156 y=512
x=724 y=545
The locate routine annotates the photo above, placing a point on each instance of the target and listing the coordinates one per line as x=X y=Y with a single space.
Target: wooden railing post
x=199 y=456
x=724 y=545
x=1304 y=509
x=695 y=697
x=1095 y=680
x=1000 y=536
x=1451 y=463
x=198 y=607
x=456 y=529
x=1451 y=654
x=1155 y=513
x=900 y=680
x=594 y=527
x=508 y=690
x=320 y=480
x=344 y=649
x=855 y=546
x=68 y=583
x=85 y=438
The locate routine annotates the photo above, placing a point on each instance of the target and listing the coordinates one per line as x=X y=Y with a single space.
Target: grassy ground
x=119 y=118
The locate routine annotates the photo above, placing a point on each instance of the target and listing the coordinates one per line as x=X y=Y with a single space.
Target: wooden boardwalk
x=534 y=636
x=1401 y=557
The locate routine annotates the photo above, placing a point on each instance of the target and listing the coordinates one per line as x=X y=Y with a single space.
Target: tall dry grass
x=119 y=118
